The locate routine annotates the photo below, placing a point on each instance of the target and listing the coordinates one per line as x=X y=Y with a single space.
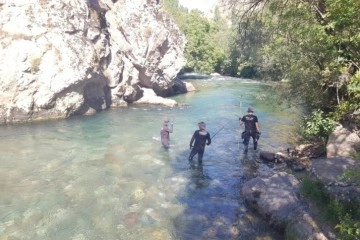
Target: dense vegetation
x=206 y=49
x=313 y=46
x=311 y=49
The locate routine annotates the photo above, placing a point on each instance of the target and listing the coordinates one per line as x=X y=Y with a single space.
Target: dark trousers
x=247 y=137
x=199 y=151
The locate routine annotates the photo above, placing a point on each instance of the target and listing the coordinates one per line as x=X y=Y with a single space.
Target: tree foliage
x=313 y=46
x=318 y=126
x=206 y=48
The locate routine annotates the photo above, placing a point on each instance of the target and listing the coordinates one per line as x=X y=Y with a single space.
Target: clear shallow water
x=107 y=176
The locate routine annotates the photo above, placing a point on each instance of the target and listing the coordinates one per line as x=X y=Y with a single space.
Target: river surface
x=108 y=177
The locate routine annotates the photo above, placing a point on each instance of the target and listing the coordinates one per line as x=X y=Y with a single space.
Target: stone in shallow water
x=160 y=235
x=138 y=194
x=267 y=156
x=147 y=220
x=131 y=219
x=153 y=214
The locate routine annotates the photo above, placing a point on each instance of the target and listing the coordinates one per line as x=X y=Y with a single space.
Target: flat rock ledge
x=276 y=197
x=330 y=172
x=275 y=194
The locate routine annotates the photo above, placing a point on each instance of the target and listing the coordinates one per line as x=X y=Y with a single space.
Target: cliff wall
x=73 y=57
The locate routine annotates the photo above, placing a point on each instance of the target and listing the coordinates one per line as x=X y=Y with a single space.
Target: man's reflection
x=197 y=175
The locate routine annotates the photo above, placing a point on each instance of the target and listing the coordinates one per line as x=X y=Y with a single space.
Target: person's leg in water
x=192 y=153
x=246 y=141
x=200 y=155
x=253 y=135
x=166 y=147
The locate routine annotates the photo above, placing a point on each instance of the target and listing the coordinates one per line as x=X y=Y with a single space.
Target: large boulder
x=63 y=58
x=342 y=143
x=149 y=96
x=330 y=171
x=276 y=198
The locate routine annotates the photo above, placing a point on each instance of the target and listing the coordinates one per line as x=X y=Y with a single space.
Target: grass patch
x=353 y=174
x=343 y=216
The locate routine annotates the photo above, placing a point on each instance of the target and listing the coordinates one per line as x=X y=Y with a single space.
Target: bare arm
x=171 y=128
x=257 y=126
x=167 y=128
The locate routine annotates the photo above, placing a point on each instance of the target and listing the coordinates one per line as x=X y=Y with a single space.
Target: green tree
x=206 y=47
x=312 y=45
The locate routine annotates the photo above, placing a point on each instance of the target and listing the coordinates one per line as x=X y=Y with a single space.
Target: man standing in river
x=252 y=129
x=199 y=139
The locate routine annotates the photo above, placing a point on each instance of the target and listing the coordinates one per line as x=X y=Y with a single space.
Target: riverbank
x=292 y=190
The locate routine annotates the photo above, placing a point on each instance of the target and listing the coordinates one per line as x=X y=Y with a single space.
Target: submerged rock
x=267 y=156
x=131 y=219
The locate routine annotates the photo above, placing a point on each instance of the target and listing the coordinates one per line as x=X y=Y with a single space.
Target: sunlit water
x=107 y=176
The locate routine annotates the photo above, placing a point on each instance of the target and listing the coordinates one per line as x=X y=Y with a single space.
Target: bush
x=348 y=228
x=353 y=174
x=318 y=126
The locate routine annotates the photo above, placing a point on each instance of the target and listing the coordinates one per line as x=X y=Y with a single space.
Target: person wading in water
x=252 y=129
x=199 y=139
x=165 y=131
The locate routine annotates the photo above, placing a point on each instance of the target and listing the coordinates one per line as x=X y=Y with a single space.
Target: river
x=107 y=177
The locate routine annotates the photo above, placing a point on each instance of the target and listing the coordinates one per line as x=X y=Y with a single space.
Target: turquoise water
x=107 y=176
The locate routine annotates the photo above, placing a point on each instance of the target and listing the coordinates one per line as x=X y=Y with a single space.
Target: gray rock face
x=330 y=172
x=342 y=143
x=62 y=58
x=276 y=197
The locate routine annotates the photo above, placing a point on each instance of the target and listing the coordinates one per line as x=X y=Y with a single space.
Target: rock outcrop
x=64 y=58
x=276 y=197
x=342 y=143
x=340 y=150
x=330 y=171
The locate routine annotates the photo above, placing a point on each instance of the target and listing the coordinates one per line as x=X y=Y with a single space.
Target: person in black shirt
x=252 y=128
x=199 y=139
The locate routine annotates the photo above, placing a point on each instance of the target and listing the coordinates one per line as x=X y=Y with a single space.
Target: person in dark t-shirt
x=199 y=139
x=252 y=129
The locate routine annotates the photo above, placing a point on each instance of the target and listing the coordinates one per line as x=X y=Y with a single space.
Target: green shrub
x=348 y=228
x=318 y=126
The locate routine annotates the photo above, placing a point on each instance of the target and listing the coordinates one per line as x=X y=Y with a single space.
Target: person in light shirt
x=165 y=131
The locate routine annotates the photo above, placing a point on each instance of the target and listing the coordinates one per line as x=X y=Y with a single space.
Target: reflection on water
x=107 y=176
